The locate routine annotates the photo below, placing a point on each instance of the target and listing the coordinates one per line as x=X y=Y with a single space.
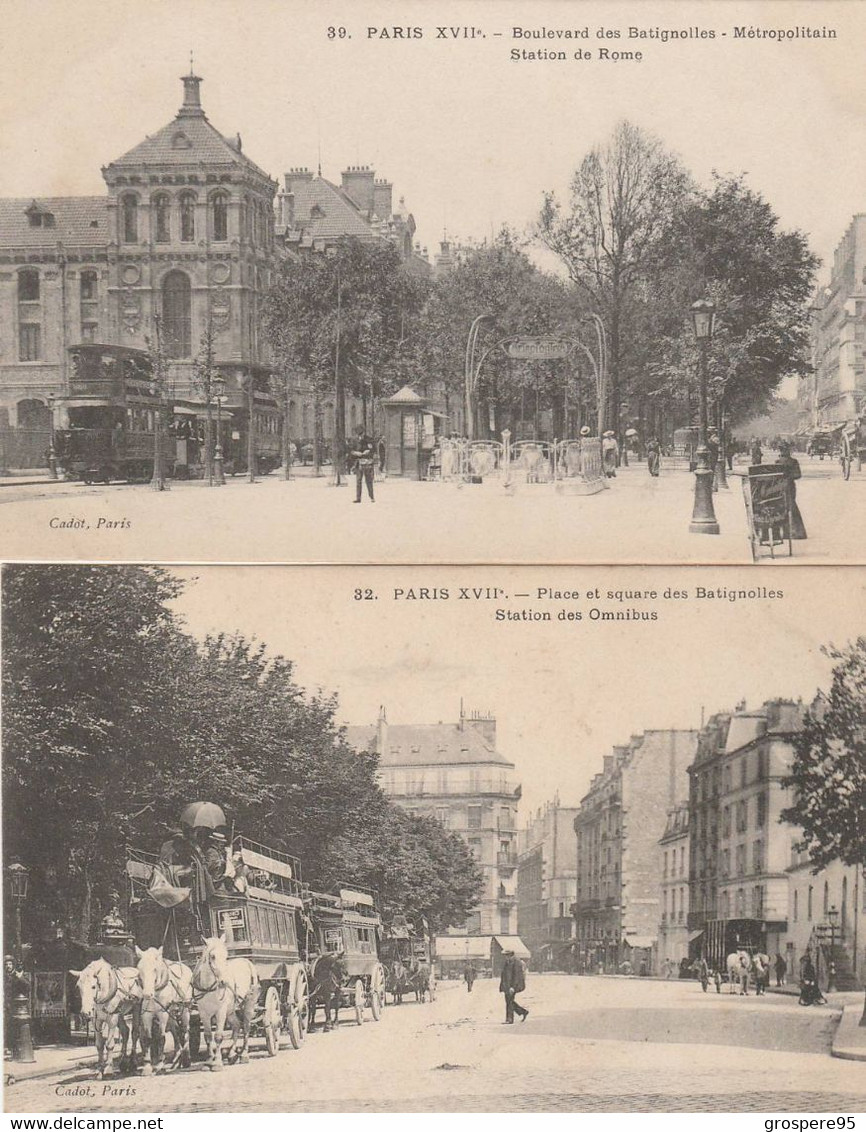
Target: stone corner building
x=453 y=772
x=547 y=886
x=185 y=233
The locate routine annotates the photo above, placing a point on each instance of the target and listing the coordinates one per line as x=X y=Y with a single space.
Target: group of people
x=226 y=870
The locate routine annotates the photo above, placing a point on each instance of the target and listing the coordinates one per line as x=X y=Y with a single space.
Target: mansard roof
x=433 y=744
x=77 y=221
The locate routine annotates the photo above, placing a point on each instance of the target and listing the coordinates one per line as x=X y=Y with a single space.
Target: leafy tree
x=501 y=281
x=828 y=774
x=337 y=320
x=114 y=718
x=625 y=198
x=729 y=247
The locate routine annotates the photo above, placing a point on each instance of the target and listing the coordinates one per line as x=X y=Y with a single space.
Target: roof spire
x=191 y=66
x=191 y=97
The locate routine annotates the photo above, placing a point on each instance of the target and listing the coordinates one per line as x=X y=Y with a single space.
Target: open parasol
x=202 y=815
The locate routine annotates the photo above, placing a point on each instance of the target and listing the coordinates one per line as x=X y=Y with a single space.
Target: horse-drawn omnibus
x=259 y=916
x=347 y=929
x=407 y=953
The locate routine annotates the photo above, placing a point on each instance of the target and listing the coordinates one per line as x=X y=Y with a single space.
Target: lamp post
x=52 y=451
x=22 y=1041
x=703 y=516
x=832 y=916
x=471 y=370
x=218 y=392
x=600 y=369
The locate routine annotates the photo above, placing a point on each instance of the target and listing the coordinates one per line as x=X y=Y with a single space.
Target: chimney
x=485 y=724
x=191 y=97
x=295 y=177
x=382 y=199
x=359 y=184
x=382 y=731
x=286 y=204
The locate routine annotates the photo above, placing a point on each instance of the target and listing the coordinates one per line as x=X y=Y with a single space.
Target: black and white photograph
x=500 y=840
x=494 y=281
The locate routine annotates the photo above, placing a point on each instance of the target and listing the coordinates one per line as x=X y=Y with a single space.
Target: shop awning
x=639 y=940
x=695 y=935
x=513 y=943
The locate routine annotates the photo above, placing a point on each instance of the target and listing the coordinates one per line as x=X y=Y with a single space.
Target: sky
x=469 y=137
x=562 y=692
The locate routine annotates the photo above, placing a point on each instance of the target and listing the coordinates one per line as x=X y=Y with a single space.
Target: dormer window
x=181 y=141
x=39 y=217
x=317 y=212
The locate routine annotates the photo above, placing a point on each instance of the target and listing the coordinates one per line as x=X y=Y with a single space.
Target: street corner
x=849 y=1041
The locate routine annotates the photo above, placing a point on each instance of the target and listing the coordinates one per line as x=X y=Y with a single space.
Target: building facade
x=453 y=772
x=547 y=886
x=749 y=884
x=836 y=389
x=183 y=241
x=619 y=824
x=673 y=943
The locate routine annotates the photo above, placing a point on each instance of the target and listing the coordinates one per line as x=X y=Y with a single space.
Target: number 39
x=337 y=33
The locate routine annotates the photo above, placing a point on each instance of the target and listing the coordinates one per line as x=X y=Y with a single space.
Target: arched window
x=220 y=206
x=176 y=315
x=129 y=219
x=162 y=218
x=187 y=217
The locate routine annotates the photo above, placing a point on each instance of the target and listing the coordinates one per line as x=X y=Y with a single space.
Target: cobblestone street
x=640 y=519
x=589 y=1044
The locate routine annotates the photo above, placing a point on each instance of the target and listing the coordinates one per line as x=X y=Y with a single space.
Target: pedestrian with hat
x=609 y=453
x=511 y=982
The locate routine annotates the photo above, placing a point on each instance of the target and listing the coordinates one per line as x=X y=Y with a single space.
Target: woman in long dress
x=791 y=466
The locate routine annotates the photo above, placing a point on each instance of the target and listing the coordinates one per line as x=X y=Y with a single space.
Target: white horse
x=739 y=964
x=111 y=997
x=761 y=971
x=227 y=990
x=166 y=994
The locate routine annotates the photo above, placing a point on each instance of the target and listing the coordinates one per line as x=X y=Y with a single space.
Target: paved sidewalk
x=849 y=1041
x=50 y=1059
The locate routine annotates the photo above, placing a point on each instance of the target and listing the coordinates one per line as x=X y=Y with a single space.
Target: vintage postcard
x=493 y=281
x=428 y=839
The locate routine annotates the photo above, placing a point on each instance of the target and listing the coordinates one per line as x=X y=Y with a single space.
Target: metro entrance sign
x=539 y=349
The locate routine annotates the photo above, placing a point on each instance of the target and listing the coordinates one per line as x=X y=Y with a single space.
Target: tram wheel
x=360 y=1001
x=271 y=1020
x=298 y=1017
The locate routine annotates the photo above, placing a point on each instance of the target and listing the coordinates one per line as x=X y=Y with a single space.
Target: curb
x=15 y=1074
x=849 y=1041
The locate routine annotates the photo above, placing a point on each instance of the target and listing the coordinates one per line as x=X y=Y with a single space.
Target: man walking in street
x=362 y=455
x=781 y=970
x=511 y=983
x=469 y=976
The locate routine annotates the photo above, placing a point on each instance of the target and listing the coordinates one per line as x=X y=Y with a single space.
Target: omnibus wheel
x=360 y=999
x=377 y=993
x=271 y=1020
x=298 y=1016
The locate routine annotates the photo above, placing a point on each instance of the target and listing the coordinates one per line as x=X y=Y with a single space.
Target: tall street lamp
x=703 y=516
x=218 y=392
x=832 y=916
x=600 y=369
x=22 y=1041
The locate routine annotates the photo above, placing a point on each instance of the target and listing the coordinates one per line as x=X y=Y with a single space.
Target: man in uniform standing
x=362 y=455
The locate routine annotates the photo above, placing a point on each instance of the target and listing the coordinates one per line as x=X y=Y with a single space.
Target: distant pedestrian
x=756 y=453
x=382 y=452
x=781 y=970
x=790 y=465
x=469 y=976
x=713 y=452
x=717 y=980
x=653 y=456
x=609 y=454
x=703 y=973
x=511 y=982
x=810 y=992
x=362 y=458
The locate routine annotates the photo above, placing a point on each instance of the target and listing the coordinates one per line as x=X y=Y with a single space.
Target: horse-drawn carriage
x=343 y=955
x=245 y=935
x=852 y=445
x=408 y=957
